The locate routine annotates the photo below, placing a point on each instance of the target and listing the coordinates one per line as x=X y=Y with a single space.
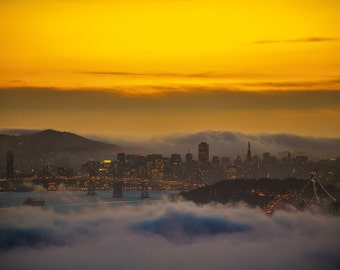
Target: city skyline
x=175 y=168
x=143 y=69
x=106 y=160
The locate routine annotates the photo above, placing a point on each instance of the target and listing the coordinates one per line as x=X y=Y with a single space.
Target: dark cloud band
x=298 y=40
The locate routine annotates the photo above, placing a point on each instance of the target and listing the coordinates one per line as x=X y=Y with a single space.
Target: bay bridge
x=92 y=178
x=313 y=186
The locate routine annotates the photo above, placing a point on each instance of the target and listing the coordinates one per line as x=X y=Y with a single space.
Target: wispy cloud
x=298 y=40
x=296 y=84
x=207 y=74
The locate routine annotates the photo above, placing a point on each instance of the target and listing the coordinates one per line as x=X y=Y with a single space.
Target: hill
x=53 y=147
x=258 y=193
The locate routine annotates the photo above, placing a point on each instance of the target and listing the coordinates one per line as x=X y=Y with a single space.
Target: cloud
x=202 y=75
x=35 y=237
x=295 y=85
x=298 y=40
x=232 y=143
x=18 y=131
x=163 y=235
x=181 y=227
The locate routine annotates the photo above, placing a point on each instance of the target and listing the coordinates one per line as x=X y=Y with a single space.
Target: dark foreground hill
x=259 y=193
x=54 y=148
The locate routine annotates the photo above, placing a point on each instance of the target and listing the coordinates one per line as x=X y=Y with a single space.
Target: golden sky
x=146 y=52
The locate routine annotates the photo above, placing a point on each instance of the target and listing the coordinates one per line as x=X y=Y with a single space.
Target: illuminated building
x=203 y=153
x=105 y=166
x=153 y=157
x=175 y=159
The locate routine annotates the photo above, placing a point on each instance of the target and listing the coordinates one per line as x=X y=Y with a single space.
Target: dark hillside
x=53 y=147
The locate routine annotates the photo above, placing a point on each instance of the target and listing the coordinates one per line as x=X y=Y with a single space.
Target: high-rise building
x=121 y=158
x=203 y=153
x=175 y=159
x=106 y=166
x=153 y=157
x=265 y=157
x=188 y=158
x=135 y=161
x=249 y=157
x=10 y=164
x=226 y=161
x=215 y=160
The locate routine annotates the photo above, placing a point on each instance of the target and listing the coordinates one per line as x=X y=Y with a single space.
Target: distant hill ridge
x=57 y=140
x=53 y=147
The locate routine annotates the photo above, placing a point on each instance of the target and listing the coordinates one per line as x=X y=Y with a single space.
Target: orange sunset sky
x=145 y=68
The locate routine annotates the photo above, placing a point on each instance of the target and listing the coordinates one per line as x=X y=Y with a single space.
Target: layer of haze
x=168 y=236
x=114 y=115
x=144 y=68
x=233 y=144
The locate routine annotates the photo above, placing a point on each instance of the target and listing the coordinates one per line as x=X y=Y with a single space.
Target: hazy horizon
x=110 y=114
x=221 y=143
x=153 y=68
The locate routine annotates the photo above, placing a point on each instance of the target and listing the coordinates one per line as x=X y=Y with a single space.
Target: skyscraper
x=175 y=159
x=121 y=158
x=203 y=153
x=249 y=157
x=10 y=164
x=188 y=158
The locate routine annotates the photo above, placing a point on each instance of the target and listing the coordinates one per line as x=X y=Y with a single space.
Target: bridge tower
x=145 y=187
x=315 y=182
x=91 y=190
x=9 y=165
x=117 y=189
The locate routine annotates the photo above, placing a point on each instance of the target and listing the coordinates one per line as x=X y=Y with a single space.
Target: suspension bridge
x=91 y=178
x=313 y=186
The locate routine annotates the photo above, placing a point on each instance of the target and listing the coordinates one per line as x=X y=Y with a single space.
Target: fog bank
x=164 y=235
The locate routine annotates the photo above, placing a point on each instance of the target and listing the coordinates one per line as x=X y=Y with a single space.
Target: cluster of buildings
x=215 y=168
x=158 y=167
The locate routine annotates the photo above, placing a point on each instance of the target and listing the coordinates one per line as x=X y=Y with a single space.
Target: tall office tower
x=203 y=153
x=226 y=161
x=175 y=159
x=188 y=158
x=153 y=157
x=249 y=159
x=121 y=159
x=10 y=165
x=215 y=160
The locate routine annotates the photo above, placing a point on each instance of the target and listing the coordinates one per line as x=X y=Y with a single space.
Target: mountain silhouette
x=54 y=148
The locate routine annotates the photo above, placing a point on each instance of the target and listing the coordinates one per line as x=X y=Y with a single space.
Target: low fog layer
x=166 y=235
x=221 y=143
x=231 y=144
